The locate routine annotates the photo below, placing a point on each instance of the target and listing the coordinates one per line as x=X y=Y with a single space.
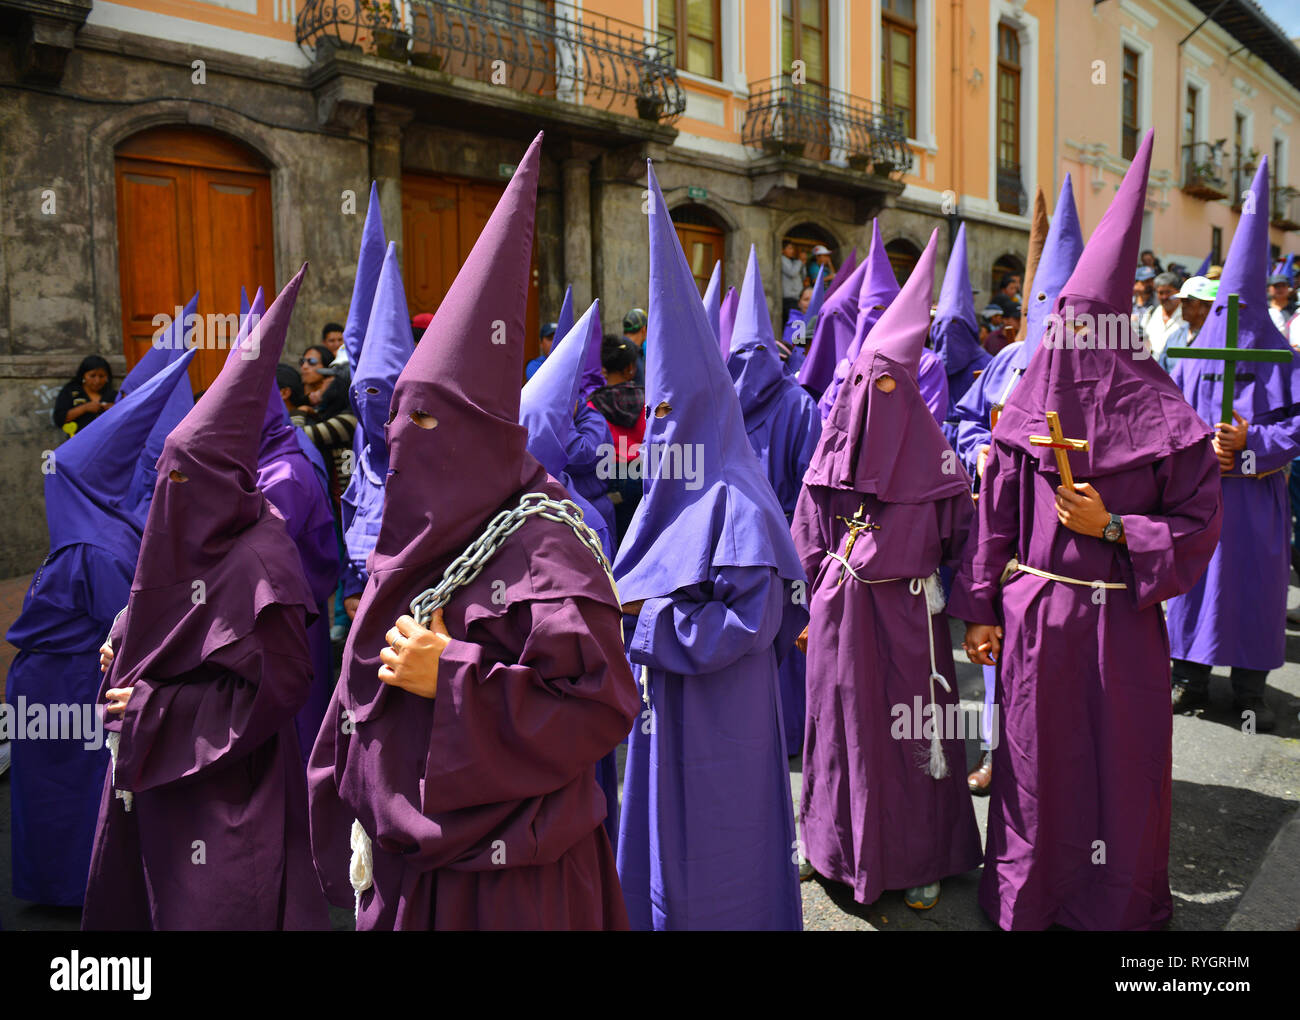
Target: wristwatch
x=1113 y=531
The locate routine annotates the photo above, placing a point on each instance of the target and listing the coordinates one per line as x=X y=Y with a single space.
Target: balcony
x=1243 y=176
x=1204 y=172
x=1011 y=191
x=1285 y=205
x=550 y=50
x=825 y=125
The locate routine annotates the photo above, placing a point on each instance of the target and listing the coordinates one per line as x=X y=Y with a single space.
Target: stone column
x=386 y=164
x=577 y=230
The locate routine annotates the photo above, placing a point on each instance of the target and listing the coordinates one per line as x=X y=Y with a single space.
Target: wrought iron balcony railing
x=546 y=48
x=1011 y=189
x=1205 y=172
x=827 y=125
x=1285 y=207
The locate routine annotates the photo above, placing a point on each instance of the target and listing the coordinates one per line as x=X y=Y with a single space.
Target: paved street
x=1233 y=794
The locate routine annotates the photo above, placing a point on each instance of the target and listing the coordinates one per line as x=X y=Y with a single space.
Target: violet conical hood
x=1105 y=387
x=369 y=261
x=727 y=320
x=836 y=325
x=169 y=346
x=847 y=268
x=754 y=365
x=713 y=300
x=89 y=498
x=1056 y=261
x=457 y=400
x=548 y=398
x=900 y=332
x=388 y=347
x=707 y=502
x=564 y=320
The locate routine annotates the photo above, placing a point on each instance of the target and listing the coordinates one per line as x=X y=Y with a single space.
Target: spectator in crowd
x=419 y=324
x=621 y=401
x=331 y=336
x=1144 y=291
x=85 y=396
x=1194 y=302
x=548 y=338
x=1148 y=259
x=1005 y=325
x=1009 y=288
x=793 y=278
x=289 y=383
x=990 y=325
x=328 y=416
x=1281 y=302
x=1165 y=317
x=634 y=325
x=820 y=258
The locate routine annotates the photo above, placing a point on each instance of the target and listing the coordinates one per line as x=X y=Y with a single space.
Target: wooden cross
x=1230 y=355
x=1062 y=446
x=856 y=524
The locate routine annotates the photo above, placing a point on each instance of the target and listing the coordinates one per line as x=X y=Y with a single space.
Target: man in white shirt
x=1162 y=320
x=1281 y=309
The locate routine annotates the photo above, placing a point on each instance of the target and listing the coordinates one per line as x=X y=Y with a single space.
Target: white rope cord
x=125 y=796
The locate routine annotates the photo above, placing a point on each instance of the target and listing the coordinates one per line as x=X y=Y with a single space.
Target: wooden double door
x=193 y=214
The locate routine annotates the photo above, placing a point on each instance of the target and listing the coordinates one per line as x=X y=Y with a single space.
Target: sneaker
x=805 y=871
x=922 y=897
x=338 y=634
x=4 y=757
x=1265 y=719
x=1186 y=697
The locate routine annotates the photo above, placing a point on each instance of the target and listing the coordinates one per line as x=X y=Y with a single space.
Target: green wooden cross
x=1230 y=355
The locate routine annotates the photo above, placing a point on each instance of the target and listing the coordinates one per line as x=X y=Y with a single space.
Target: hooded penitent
x=955 y=330
x=800 y=326
x=169 y=346
x=877 y=288
x=713 y=301
x=213 y=644
x=709 y=559
x=1116 y=397
x=727 y=320
x=370 y=260
x=1230 y=618
x=564 y=319
x=884 y=506
x=845 y=271
x=783 y=426
x=388 y=346
x=95 y=523
x=1083 y=668
x=835 y=328
x=1058 y=248
x=480 y=806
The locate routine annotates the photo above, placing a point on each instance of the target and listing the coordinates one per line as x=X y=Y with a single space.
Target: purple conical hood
x=846 y=270
x=883 y=443
x=168 y=347
x=817 y=298
x=593 y=378
x=878 y=288
x=836 y=325
x=369 y=261
x=215 y=553
x=564 y=320
x=713 y=301
x=387 y=348
x=146 y=466
x=955 y=329
x=754 y=365
x=88 y=497
x=244 y=306
x=727 y=321
x=1060 y=254
x=547 y=402
x=900 y=332
x=465 y=375
x=1265 y=391
x=1117 y=398
x=707 y=500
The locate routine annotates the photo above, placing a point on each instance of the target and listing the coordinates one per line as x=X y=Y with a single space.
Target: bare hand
x=633 y=608
x=117 y=699
x=1228 y=440
x=105 y=655
x=1082 y=511
x=983 y=643
x=801 y=642
x=981 y=460
x=411 y=659
x=350 y=606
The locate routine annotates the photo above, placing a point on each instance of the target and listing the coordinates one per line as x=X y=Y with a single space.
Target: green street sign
x=693 y=192
x=506 y=169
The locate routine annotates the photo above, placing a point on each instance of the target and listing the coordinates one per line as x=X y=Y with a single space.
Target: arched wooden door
x=193 y=214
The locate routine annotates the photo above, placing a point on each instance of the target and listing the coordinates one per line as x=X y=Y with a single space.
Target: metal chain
x=469 y=564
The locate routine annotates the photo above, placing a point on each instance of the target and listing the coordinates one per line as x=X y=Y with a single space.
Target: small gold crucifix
x=1062 y=446
x=856 y=524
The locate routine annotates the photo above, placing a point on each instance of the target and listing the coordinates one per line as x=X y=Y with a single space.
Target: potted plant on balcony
x=390 y=35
